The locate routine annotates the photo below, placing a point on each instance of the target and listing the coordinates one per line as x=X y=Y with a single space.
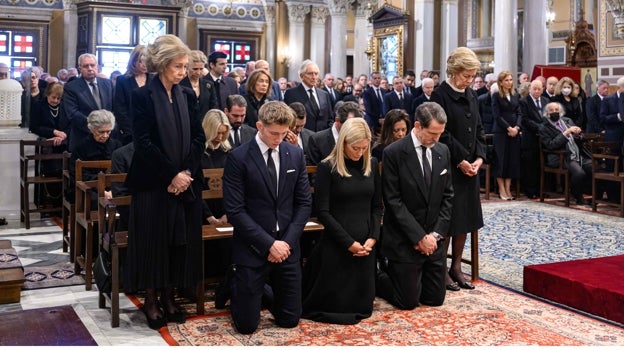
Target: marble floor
x=133 y=328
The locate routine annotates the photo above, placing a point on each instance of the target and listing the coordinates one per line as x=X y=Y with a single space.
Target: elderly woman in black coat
x=465 y=139
x=165 y=179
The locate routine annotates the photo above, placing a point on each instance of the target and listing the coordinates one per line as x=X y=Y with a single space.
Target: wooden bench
x=11 y=278
x=68 y=211
x=85 y=218
x=31 y=152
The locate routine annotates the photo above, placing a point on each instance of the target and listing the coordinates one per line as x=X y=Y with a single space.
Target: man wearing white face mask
x=558 y=132
x=565 y=94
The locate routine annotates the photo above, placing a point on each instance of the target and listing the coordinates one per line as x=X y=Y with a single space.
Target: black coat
x=465 y=139
x=207 y=98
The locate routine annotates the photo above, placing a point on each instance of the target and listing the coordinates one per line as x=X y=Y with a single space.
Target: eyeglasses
x=89 y=65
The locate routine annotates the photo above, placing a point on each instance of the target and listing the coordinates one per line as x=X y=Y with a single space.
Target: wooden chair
x=68 y=211
x=31 y=153
x=602 y=152
x=486 y=168
x=111 y=240
x=559 y=171
x=85 y=218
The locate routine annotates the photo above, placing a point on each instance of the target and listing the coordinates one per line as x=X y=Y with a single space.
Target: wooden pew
x=85 y=218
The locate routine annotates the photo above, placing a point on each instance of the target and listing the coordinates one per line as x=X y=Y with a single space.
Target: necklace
x=140 y=79
x=54 y=111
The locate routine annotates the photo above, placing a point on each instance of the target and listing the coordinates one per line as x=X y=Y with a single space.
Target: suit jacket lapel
x=258 y=158
x=413 y=164
x=88 y=94
x=284 y=166
x=437 y=166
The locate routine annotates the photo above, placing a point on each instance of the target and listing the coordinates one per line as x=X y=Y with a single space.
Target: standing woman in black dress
x=136 y=76
x=507 y=121
x=465 y=139
x=339 y=279
x=165 y=179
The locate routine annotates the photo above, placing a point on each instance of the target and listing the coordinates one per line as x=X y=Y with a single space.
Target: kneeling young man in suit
x=266 y=194
x=417 y=193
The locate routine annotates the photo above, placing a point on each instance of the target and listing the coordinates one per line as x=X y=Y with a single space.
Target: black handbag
x=102 y=273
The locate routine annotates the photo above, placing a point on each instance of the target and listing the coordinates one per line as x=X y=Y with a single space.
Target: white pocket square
x=443 y=172
x=290 y=171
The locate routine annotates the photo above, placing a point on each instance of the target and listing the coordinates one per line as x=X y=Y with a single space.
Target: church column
x=296 y=33
x=269 y=14
x=70 y=30
x=534 y=50
x=338 y=54
x=317 y=33
x=183 y=22
x=423 y=36
x=362 y=32
x=506 y=36
x=449 y=38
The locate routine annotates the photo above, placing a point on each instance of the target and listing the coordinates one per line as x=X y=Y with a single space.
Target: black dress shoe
x=453 y=287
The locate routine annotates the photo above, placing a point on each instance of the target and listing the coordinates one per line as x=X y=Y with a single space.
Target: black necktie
x=96 y=95
x=539 y=105
x=426 y=166
x=400 y=96
x=272 y=171
x=379 y=95
x=315 y=105
x=237 y=141
x=216 y=86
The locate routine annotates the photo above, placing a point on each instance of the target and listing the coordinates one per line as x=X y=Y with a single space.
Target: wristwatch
x=437 y=236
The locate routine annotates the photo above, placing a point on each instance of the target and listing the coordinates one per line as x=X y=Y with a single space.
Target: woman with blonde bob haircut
x=216 y=128
x=348 y=203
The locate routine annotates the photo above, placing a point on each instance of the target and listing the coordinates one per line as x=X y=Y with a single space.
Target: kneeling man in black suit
x=266 y=194
x=417 y=193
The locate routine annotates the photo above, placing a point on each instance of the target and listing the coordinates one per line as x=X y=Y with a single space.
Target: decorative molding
x=338 y=7
x=269 y=13
x=297 y=12
x=364 y=8
x=561 y=35
x=319 y=14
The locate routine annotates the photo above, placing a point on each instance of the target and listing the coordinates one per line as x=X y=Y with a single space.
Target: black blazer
x=246 y=133
x=320 y=145
x=391 y=101
x=531 y=121
x=78 y=102
x=372 y=105
x=253 y=208
x=305 y=139
x=592 y=109
x=122 y=105
x=552 y=139
x=207 y=99
x=227 y=86
x=614 y=127
x=413 y=210
x=314 y=121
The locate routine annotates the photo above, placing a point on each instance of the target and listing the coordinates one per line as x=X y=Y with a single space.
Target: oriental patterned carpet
x=486 y=316
x=519 y=233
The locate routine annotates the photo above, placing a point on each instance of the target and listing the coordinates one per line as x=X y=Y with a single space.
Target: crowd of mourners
x=407 y=152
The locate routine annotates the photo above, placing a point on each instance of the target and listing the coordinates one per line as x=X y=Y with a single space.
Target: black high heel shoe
x=462 y=284
x=155 y=323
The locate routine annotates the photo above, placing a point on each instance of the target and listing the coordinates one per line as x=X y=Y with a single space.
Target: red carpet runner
x=595 y=285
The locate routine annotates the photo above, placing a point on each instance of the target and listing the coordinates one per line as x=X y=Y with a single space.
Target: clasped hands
x=180 y=183
x=470 y=169
x=279 y=252
x=513 y=131
x=427 y=245
x=362 y=250
x=575 y=130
